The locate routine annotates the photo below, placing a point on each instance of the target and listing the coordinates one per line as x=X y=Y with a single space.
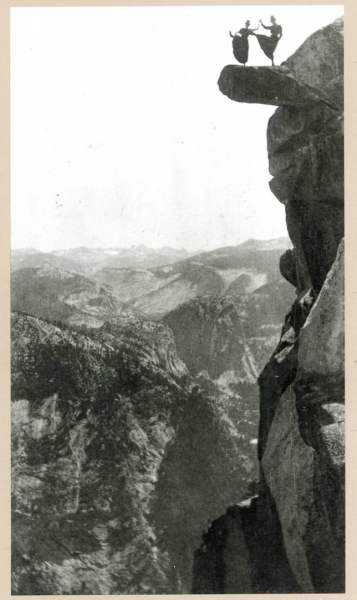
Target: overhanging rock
x=265 y=85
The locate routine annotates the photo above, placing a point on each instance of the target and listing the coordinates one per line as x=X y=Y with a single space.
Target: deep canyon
x=178 y=420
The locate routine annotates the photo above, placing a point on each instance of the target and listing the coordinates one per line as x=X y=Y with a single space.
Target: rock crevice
x=296 y=539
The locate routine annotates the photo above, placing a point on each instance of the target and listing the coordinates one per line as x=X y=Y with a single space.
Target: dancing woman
x=240 y=42
x=268 y=44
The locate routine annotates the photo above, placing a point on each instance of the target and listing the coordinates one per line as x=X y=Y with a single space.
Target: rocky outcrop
x=305 y=144
x=293 y=83
x=302 y=442
x=209 y=335
x=90 y=424
x=119 y=458
x=298 y=517
x=212 y=459
x=306 y=159
x=324 y=51
x=276 y=86
x=234 y=334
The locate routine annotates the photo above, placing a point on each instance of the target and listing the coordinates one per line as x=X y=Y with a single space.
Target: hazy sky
x=120 y=135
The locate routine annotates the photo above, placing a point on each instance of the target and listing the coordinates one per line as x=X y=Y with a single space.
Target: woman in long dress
x=240 y=42
x=269 y=43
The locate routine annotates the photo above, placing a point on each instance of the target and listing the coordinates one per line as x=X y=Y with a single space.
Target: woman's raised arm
x=265 y=26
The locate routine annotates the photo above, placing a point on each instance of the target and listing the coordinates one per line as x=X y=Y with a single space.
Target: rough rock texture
x=90 y=425
x=306 y=156
x=323 y=49
x=305 y=144
x=209 y=335
x=233 y=557
x=296 y=543
x=291 y=484
x=234 y=334
x=265 y=85
x=119 y=459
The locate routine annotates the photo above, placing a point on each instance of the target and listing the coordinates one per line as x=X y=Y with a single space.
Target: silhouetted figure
x=240 y=43
x=268 y=44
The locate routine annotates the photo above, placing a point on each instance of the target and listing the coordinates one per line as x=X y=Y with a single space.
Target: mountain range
x=88 y=260
x=151 y=291
x=144 y=458
x=123 y=422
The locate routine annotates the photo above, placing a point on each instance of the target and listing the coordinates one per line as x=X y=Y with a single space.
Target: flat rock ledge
x=275 y=86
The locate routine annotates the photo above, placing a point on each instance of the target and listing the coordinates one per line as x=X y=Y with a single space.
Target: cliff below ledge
x=290 y=538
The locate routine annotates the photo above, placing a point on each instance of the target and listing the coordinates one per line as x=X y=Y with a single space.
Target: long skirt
x=267 y=44
x=240 y=49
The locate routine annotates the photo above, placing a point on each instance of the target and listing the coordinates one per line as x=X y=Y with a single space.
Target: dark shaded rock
x=324 y=50
x=305 y=144
x=301 y=433
x=288 y=268
x=119 y=459
x=322 y=339
x=209 y=335
x=317 y=232
x=265 y=85
x=319 y=388
x=242 y=553
x=305 y=147
x=275 y=378
x=210 y=460
x=306 y=156
x=224 y=565
x=306 y=159
x=84 y=416
x=230 y=337
x=291 y=485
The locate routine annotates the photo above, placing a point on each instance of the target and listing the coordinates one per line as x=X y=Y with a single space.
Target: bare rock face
x=231 y=336
x=305 y=143
x=306 y=155
x=265 y=85
x=323 y=49
x=322 y=339
x=291 y=484
x=209 y=335
x=296 y=542
x=119 y=458
x=319 y=389
x=84 y=416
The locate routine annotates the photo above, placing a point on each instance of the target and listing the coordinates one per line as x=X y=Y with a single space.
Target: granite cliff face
x=230 y=336
x=119 y=458
x=290 y=538
x=90 y=424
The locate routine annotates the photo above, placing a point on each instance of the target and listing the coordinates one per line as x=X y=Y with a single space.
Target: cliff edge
x=290 y=538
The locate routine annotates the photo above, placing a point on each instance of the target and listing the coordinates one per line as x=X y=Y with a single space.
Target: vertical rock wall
x=295 y=538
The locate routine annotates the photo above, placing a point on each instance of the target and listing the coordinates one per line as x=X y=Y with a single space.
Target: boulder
x=324 y=50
